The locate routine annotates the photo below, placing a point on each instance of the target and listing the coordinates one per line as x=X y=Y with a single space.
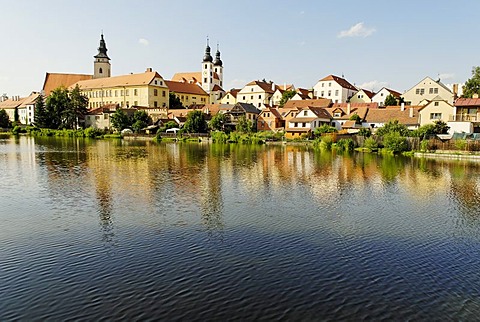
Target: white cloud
x=143 y=41
x=444 y=76
x=358 y=30
x=374 y=85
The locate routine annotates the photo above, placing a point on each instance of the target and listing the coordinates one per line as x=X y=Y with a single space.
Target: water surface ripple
x=94 y=230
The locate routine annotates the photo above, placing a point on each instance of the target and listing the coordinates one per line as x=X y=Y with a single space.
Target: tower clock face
x=204 y=72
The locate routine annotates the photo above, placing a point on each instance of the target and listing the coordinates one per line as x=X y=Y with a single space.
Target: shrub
x=365 y=131
x=326 y=142
x=158 y=136
x=393 y=127
x=345 y=145
x=219 y=136
x=324 y=129
x=424 y=146
x=461 y=144
x=370 y=143
x=91 y=132
x=395 y=143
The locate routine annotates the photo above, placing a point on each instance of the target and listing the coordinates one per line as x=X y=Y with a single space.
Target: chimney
x=349 y=110
x=411 y=112
x=149 y=70
x=402 y=107
x=455 y=89
x=273 y=86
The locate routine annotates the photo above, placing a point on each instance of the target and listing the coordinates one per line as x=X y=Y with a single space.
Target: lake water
x=113 y=229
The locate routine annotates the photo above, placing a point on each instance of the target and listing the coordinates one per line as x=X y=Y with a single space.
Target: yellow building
x=189 y=94
x=146 y=89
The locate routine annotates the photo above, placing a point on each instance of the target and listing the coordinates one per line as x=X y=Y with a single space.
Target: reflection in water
x=131 y=229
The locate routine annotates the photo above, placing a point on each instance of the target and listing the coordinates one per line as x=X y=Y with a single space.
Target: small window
x=164 y=94
x=305 y=113
x=100 y=70
x=155 y=92
x=435 y=104
x=135 y=92
x=155 y=104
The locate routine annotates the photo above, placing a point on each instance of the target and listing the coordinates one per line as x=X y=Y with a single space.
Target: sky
x=371 y=43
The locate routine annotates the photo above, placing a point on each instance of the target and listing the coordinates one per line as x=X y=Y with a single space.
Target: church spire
x=102 y=50
x=207 y=57
x=217 y=61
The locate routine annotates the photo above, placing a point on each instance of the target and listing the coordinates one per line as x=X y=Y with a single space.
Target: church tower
x=101 y=65
x=218 y=66
x=207 y=70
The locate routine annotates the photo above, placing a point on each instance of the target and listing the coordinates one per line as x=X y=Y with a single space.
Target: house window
x=155 y=92
x=251 y=97
x=323 y=94
x=435 y=104
x=305 y=113
x=435 y=90
x=252 y=89
x=295 y=124
x=304 y=124
x=116 y=93
x=329 y=93
x=435 y=116
x=243 y=97
x=155 y=82
x=336 y=92
x=323 y=84
x=259 y=104
x=155 y=104
x=128 y=104
x=126 y=92
x=164 y=93
x=329 y=84
x=260 y=96
x=135 y=92
x=135 y=103
x=430 y=91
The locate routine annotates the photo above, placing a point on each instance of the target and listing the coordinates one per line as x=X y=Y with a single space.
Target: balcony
x=464 y=118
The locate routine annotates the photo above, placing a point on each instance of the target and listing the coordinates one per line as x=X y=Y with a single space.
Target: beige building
x=426 y=90
x=230 y=97
x=25 y=107
x=382 y=94
x=436 y=109
x=146 y=89
x=257 y=93
x=362 y=96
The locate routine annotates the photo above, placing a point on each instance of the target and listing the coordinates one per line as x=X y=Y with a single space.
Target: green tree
x=441 y=127
x=120 y=120
x=472 y=85
x=174 y=102
x=16 y=116
x=78 y=107
x=140 y=120
x=286 y=95
x=195 y=122
x=365 y=131
x=4 y=119
x=395 y=142
x=168 y=125
x=57 y=108
x=356 y=118
x=325 y=128
x=390 y=100
x=40 y=112
x=244 y=125
x=217 y=122
x=393 y=126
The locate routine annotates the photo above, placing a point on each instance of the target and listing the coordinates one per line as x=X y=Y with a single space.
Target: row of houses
x=204 y=89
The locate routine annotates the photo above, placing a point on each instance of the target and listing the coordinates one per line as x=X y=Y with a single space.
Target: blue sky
x=372 y=43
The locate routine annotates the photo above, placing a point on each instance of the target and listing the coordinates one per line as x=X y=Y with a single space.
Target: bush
x=393 y=127
x=326 y=142
x=219 y=136
x=365 y=131
x=395 y=143
x=345 y=145
x=324 y=129
x=17 y=130
x=370 y=143
x=158 y=136
x=424 y=146
x=461 y=144
x=91 y=132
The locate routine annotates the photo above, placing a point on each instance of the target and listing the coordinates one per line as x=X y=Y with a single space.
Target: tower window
x=205 y=80
x=100 y=70
x=216 y=70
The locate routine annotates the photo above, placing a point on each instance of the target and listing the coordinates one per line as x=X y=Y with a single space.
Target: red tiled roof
x=467 y=102
x=341 y=81
x=186 y=88
x=383 y=115
x=55 y=80
x=320 y=102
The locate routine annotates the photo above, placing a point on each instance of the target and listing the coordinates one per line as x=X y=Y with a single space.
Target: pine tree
x=40 y=114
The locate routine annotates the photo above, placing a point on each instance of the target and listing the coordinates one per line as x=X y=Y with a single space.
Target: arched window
x=100 y=70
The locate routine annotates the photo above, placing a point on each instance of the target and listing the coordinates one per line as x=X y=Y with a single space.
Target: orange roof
x=233 y=92
x=348 y=125
x=267 y=87
x=19 y=101
x=186 y=88
x=217 y=88
x=467 y=102
x=341 y=81
x=320 y=102
x=55 y=80
x=383 y=115
x=191 y=77
x=119 y=81
x=370 y=94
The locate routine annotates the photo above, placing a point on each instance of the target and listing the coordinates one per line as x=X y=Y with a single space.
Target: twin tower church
x=148 y=89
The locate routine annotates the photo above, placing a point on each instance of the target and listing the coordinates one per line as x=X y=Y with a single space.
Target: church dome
x=218 y=61
x=207 y=57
